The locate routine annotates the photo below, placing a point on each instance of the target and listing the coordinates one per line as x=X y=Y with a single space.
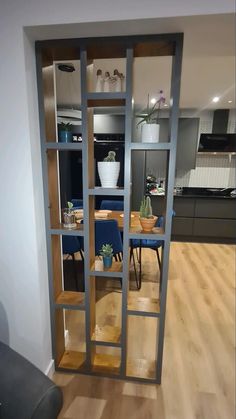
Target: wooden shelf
x=106 y=99
x=151 y=146
x=63 y=146
x=143 y=306
x=106 y=364
x=73 y=360
x=137 y=233
x=57 y=228
x=160 y=47
x=141 y=368
x=109 y=334
x=106 y=95
x=71 y=298
x=106 y=191
x=115 y=271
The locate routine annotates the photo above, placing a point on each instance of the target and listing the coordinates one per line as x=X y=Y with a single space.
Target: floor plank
x=198 y=380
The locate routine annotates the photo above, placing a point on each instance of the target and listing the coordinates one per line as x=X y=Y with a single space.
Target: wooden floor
x=198 y=378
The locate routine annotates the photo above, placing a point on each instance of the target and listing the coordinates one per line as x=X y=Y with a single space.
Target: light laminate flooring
x=198 y=378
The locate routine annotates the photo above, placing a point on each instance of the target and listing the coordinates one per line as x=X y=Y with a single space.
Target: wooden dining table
x=135 y=226
x=119 y=217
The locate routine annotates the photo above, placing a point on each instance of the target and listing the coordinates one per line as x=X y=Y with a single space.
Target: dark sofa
x=25 y=392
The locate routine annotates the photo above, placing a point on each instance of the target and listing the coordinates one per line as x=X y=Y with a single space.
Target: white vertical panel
x=211 y=171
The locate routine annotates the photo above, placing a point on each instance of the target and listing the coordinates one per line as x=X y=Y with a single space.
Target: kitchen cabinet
x=212 y=208
x=184 y=207
x=187 y=143
x=204 y=219
x=182 y=226
x=216 y=228
x=201 y=219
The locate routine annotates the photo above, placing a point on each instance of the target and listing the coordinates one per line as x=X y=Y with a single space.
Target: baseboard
x=50 y=369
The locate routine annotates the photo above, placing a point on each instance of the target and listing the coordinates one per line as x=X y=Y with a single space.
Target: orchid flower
x=150 y=115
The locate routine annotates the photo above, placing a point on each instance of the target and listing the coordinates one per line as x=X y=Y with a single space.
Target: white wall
x=23 y=267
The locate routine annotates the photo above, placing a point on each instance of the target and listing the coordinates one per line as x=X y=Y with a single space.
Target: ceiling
x=208 y=64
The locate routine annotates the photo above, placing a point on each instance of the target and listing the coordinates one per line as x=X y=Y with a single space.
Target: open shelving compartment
x=70 y=339
x=104 y=346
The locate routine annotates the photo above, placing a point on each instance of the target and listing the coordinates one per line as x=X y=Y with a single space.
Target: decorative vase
x=108 y=172
x=68 y=218
x=65 y=136
x=148 y=223
x=107 y=261
x=150 y=133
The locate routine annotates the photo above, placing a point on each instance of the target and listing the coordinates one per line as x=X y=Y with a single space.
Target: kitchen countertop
x=203 y=196
x=210 y=193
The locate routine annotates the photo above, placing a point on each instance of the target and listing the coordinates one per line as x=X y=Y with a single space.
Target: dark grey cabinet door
x=184 y=207
x=215 y=208
x=158 y=205
x=205 y=227
x=187 y=143
x=138 y=178
x=182 y=226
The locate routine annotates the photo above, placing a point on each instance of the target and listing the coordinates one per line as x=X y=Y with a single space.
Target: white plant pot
x=108 y=172
x=150 y=133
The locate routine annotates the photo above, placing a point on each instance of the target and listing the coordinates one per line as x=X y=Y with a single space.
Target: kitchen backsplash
x=211 y=171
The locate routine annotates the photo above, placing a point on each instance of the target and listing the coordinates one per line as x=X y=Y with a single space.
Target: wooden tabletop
x=119 y=217
x=135 y=226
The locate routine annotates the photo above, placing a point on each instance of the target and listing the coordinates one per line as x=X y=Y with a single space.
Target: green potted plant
x=146 y=218
x=149 y=119
x=65 y=132
x=108 y=170
x=68 y=216
x=107 y=254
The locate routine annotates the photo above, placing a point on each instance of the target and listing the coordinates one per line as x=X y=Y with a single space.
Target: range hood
x=219 y=140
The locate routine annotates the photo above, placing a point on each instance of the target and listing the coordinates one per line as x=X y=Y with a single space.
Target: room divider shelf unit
x=109 y=350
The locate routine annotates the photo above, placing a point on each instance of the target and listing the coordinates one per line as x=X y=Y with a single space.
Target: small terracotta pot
x=148 y=223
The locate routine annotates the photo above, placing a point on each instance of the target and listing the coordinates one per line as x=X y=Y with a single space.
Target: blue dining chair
x=147 y=244
x=112 y=205
x=77 y=203
x=107 y=231
x=70 y=246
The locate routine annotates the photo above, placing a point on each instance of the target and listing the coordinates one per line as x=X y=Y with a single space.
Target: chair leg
x=81 y=254
x=140 y=267
x=135 y=272
x=137 y=276
x=131 y=253
x=158 y=258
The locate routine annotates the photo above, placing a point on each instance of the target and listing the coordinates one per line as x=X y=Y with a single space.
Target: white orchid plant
x=151 y=114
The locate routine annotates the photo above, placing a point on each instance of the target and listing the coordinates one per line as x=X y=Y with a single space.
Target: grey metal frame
x=170 y=147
